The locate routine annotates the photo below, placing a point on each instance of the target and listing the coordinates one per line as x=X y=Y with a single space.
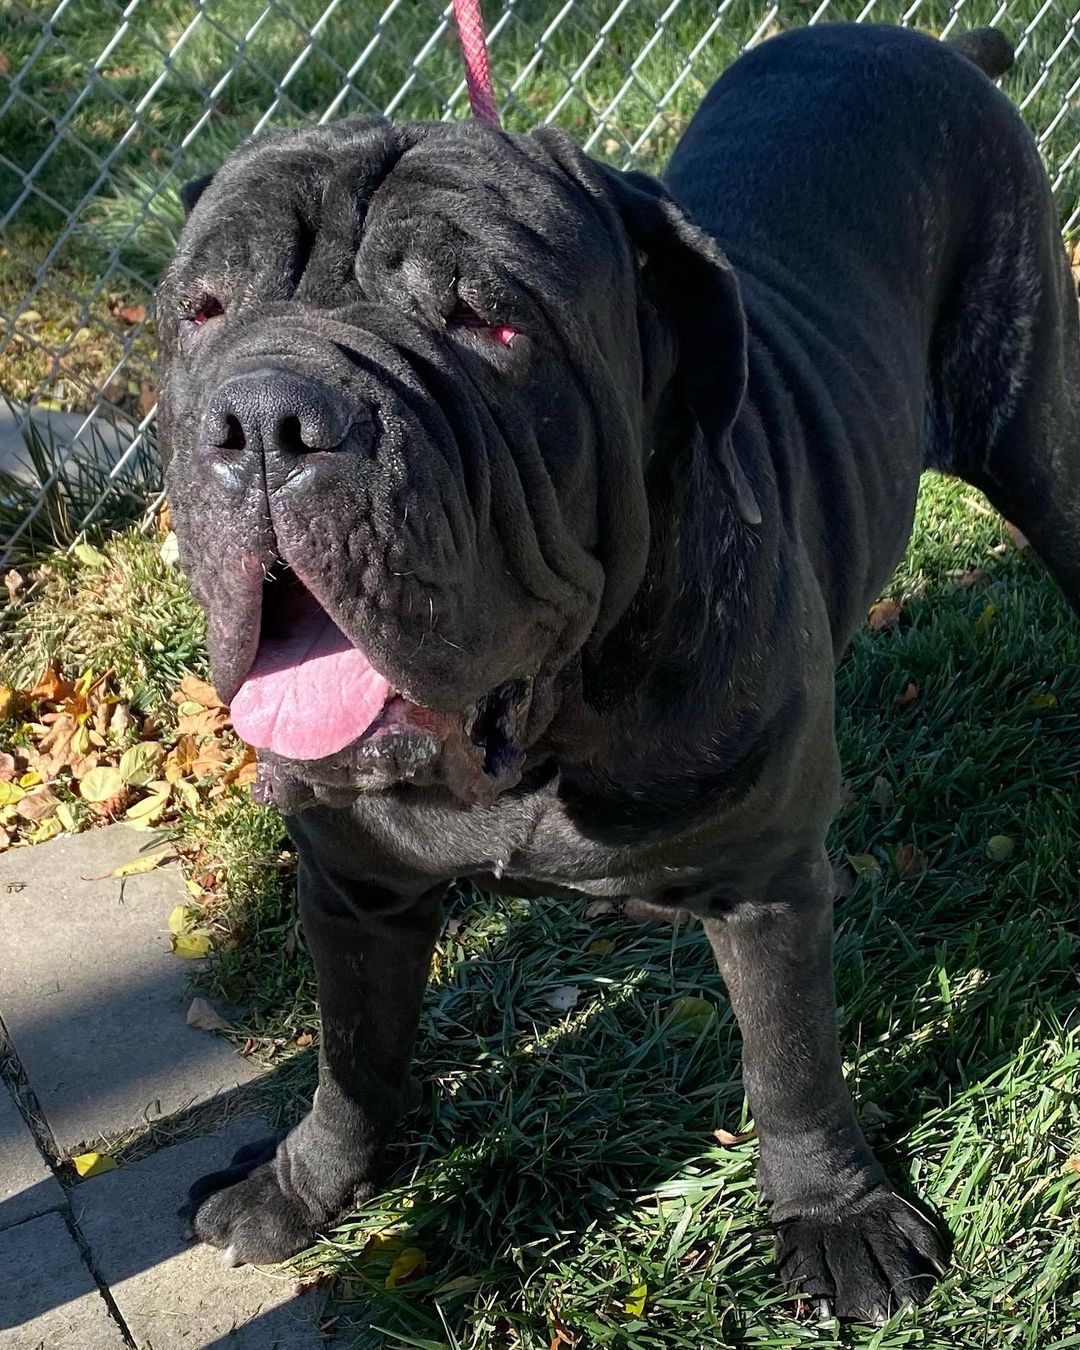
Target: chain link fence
x=107 y=108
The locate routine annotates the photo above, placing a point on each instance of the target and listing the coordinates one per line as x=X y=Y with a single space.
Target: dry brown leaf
x=908 y=694
x=972 y=576
x=37 y=805
x=885 y=614
x=562 y=1333
x=728 y=1140
x=596 y=908
x=1072 y=1165
x=9 y=699
x=147 y=398
x=193 y=690
x=210 y=761
x=52 y=687
x=205 y=1017
x=120 y=720
x=304 y=1039
x=206 y=722
x=1020 y=540
x=131 y=314
x=8 y=770
x=5 y=839
x=909 y=861
x=15 y=583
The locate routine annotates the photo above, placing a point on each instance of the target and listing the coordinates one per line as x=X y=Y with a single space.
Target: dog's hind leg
x=1005 y=409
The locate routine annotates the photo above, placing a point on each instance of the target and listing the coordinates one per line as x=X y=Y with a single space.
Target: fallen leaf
x=863 y=864
x=1072 y=1165
x=146 y=862
x=66 y=816
x=1020 y=540
x=600 y=947
x=304 y=1039
x=8 y=767
x=885 y=614
x=986 y=618
x=596 y=908
x=908 y=694
x=29 y=779
x=178 y=918
x=149 y=810
x=563 y=1335
x=131 y=314
x=408 y=1265
x=48 y=829
x=38 y=805
x=909 y=861
x=193 y=690
x=971 y=576
x=999 y=848
x=101 y=784
x=89 y=556
x=51 y=687
x=8 y=701
x=1039 y=703
x=205 y=1017
x=192 y=946
x=563 y=998
x=93 y=1164
x=169 y=552
x=188 y=794
x=728 y=1140
x=5 y=839
x=881 y=794
x=204 y=722
x=10 y=793
x=691 y=1015
x=139 y=764
x=635 y=1301
x=14 y=583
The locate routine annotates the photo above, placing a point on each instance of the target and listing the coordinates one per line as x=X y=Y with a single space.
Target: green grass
x=559 y=1160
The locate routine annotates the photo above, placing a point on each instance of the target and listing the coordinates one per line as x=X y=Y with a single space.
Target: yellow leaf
x=66 y=816
x=635 y=1303
x=178 y=918
x=691 y=1015
x=101 y=784
x=146 y=863
x=10 y=793
x=986 y=618
x=1000 y=847
x=408 y=1264
x=863 y=864
x=89 y=556
x=140 y=763
x=30 y=779
x=728 y=1140
x=7 y=701
x=192 y=946
x=48 y=829
x=188 y=794
x=93 y=1164
x=600 y=947
x=149 y=811
x=1037 y=703
x=189 y=708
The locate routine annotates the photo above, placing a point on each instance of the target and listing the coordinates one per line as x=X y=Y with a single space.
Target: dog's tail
x=987 y=48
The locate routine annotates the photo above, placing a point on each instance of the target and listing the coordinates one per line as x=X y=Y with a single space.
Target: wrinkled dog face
x=406 y=403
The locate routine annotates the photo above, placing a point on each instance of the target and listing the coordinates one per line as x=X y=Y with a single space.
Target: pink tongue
x=310 y=694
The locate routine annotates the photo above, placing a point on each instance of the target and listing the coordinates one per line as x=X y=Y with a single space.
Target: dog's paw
x=244 y=1210
x=864 y=1263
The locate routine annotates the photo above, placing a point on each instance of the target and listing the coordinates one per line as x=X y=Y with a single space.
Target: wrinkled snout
x=275 y=409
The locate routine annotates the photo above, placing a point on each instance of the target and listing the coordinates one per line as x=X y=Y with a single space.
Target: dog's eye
x=192 y=323
x=463 y=316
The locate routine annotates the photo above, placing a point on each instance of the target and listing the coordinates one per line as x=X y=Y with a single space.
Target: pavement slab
x=92 y=997
x=48 y=1298
x=174 y=1295
x=27 y=1185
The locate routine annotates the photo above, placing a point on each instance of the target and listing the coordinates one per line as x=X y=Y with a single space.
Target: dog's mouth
x=311 y=695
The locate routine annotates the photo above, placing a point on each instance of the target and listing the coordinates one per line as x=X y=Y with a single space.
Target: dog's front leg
x=843 y=1235
x=372 y=953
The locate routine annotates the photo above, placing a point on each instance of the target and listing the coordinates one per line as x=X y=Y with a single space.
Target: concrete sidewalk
x=92 y=1005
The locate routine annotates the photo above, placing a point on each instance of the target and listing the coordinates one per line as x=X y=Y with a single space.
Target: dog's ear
x=191 y=192
x=695 y=291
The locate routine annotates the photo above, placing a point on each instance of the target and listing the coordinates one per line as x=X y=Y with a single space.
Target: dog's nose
x=276 y=409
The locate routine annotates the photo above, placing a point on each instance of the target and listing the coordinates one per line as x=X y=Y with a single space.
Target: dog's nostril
x=290 y=436
x=233 y=437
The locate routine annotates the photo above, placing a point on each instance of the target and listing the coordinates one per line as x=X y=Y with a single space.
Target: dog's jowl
x=532 y=505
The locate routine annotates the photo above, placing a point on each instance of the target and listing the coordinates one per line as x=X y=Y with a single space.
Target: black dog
x=532 y=505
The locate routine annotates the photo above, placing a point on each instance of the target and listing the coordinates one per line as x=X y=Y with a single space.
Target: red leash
x=470 y=25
